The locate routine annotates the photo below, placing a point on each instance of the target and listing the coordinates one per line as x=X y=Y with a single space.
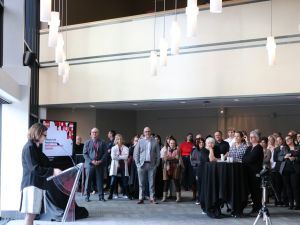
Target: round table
x=223 y=182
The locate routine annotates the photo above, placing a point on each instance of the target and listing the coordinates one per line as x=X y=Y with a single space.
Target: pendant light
x=215 y=6
x=163 y=52
x=271 y=44
x=66 y=66
x=60 y=56
x=153 y=53
x=175 y=34
x=192 y=12
x=45 y=10
x=53 y=29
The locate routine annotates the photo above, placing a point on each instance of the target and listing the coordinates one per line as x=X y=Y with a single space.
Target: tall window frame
x=31 y=43
x=1 y=31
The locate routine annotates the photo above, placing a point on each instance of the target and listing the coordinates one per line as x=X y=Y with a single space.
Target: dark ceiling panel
x=97 y=10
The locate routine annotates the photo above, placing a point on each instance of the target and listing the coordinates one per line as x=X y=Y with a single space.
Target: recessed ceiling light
x=182 y=102
x=135 y=104
x=92 y=106
x=236 y=100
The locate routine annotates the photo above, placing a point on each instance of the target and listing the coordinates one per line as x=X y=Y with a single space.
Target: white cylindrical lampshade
x=54 y=19
x=60 y=55
x=61 y=69
x=66 y=75
x=192 y=12
x=60 y=40
x=53 y=29
x=52 y=39
x=215 y=6
x=163 y=52
x=175 y=38
x=192 y=3
x=45 y=10
x=153 y=63
x=271 y=48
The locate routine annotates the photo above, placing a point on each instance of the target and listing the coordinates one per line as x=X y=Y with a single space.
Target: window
x=1 y=31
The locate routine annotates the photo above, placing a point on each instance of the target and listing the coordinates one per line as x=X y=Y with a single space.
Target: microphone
x=62 y=147
x=74 y=164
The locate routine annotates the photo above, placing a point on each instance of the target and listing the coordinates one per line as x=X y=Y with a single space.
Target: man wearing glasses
x=147 y=158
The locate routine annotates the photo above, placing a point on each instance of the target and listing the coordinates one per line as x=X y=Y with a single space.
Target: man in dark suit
x=95 y=156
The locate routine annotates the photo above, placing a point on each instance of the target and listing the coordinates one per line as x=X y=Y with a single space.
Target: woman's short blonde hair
x=121 y=138
x=36 y=131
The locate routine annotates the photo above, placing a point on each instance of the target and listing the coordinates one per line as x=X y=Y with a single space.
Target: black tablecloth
x=224 y=182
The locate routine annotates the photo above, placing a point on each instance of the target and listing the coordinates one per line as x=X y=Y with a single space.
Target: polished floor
x=125 y=212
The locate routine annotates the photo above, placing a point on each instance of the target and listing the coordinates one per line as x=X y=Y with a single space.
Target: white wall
x=14 y=136
x=240 y=70
x=14 y=86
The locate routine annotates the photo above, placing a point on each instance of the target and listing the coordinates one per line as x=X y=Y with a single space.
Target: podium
x=60 y=202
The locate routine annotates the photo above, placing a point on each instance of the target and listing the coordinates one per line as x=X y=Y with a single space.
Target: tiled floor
x=125 y=212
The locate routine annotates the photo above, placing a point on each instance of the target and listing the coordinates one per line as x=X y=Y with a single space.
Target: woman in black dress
x=36 y=168
x=253 y=160
x=290 y=170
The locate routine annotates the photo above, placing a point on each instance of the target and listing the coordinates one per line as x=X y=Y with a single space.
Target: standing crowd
x=150 y=169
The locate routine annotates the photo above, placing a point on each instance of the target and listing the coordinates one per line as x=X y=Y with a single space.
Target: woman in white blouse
x=119 y=165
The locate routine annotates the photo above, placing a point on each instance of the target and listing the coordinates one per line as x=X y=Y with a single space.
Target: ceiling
x=79 y=12
x=222 y=102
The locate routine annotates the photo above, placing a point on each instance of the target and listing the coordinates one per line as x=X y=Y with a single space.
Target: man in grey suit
x=95 y=156
x=147 y=158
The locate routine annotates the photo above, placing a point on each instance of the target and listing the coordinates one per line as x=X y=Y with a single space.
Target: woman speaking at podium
x=36 y=169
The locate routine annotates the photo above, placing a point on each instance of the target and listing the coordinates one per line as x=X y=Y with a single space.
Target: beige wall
x=268 y=119
x=242 y=69
x=122 y=121
x=180 y=122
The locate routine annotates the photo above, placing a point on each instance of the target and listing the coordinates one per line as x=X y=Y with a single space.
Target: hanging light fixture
x=192 y=12
x=153 y=53
x=175 y=34
x=53 y=29
x=163 y=52
x=60 y=55
x=153 y=63
x=66 y=66
x=66 y=75
x=271 y=44
x=215 y=6
x=45 y=10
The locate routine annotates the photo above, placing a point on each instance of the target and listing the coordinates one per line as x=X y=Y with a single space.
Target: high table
x=223 y=182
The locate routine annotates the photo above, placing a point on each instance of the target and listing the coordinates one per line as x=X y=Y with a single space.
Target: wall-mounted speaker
x=28 y=58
